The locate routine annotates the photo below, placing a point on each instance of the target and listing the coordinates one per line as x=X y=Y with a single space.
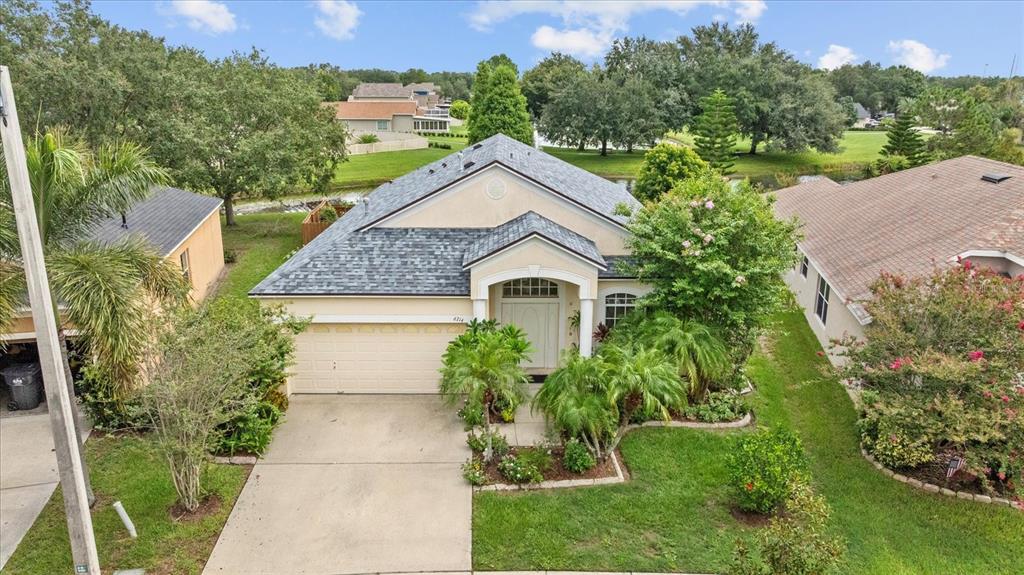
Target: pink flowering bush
x=944 y=365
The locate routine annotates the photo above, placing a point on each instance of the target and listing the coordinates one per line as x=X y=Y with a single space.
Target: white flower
x=709 y=204
x=686 y=244
x=708 y=238
x=694 y=204
x=740 y=280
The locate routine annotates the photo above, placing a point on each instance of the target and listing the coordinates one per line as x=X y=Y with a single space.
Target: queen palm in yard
x=575 y=400
x=699 y=354
x=106 y=291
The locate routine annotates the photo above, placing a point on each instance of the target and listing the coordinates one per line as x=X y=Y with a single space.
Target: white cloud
x=338 y=18
x=588 y=28
x=836 y=56
x=914 y=54
x=205 y=15
x=582 y=42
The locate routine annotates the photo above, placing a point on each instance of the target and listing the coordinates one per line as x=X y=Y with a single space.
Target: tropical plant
x=715 y=131
x=664 y=167
x=699 y=354
x=483 y=365
x=106 y=291
x=368 y=138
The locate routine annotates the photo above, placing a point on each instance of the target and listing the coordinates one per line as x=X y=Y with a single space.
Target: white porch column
x=586 y=326
x=480 y=309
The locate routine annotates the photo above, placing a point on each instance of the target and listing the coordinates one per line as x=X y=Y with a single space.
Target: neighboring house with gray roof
x=498 y=231
x=906 y=223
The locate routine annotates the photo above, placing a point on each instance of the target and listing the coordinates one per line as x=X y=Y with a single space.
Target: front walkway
x=28 y=475
x=354 y=484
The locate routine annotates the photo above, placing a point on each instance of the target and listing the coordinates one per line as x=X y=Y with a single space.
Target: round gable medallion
x=495 y=189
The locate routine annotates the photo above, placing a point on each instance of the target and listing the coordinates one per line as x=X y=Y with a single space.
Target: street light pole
x=58 y=400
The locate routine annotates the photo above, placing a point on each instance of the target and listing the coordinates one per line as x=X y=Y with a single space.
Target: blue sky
x=936 y=37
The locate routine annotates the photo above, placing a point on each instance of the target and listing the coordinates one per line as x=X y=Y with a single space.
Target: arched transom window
x=529 y=287
x=617 y=306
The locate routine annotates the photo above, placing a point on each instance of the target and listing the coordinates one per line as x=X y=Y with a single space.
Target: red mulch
x=557 y=471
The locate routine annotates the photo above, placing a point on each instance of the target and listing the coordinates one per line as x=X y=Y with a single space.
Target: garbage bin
x=25 y=382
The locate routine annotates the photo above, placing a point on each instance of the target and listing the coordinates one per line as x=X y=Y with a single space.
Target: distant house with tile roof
x=908 y=222
x=497 y=231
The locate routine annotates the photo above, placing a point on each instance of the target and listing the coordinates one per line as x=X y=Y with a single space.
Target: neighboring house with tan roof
x=380 y=92
x=498 y=231
x=366 y=117
x=904 y=223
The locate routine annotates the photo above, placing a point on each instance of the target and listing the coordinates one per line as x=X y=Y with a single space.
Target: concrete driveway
x=354 y=484
x=28 y=476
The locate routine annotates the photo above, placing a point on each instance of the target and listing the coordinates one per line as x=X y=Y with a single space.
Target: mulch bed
x=557 y=471
x=935 y=473
x=749 y=518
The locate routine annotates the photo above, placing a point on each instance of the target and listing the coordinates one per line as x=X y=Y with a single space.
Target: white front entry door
x=540 y=322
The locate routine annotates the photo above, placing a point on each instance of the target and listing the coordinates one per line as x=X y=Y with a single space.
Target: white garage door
x=370 y=358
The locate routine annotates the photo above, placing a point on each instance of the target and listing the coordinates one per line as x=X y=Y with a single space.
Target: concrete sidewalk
x=28 y=476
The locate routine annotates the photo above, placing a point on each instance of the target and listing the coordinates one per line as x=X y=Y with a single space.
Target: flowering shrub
x=473 y=471
x=944 y=364
x=478 y=443
x=518 y=470
x=714 y=253
x=764 y=467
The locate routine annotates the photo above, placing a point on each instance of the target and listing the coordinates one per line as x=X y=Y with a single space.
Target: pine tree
x=499 y=107
x=905 y=141
x=715 y=130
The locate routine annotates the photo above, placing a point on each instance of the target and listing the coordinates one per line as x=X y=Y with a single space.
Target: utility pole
x=58 y=400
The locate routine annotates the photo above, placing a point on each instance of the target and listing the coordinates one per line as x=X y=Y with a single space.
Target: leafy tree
x=459 y=109
x=413 y=76
x=656 y=67
x=776 y=98
x=500 y=108
x=638 y=122
x=106 y=291
x=502 y=60
x=568 y=116
x=551 y=75
x=664 y=167
x=714 y=253
x=715 y=132
x=903 y=140
x=877 y=89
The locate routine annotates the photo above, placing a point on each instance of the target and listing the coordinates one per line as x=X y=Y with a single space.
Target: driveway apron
x=354 y=484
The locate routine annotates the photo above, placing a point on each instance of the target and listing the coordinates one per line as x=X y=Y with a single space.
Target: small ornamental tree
x=459 y=110
x=715 y=130
x=714 y=253
x=943 y=366
x=501 y=107
x=664 y=167
x=906 y=142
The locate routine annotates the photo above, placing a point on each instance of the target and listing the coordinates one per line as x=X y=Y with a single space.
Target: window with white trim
x=529 y=287
x=803 y=267
x=617 y=306
x=821 y=300
x=186 y=268
x=383 y=125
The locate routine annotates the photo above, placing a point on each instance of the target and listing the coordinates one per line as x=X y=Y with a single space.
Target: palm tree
x=482 y=366
x=640 y=380
x=575 y=399
x=699 y=354
x=106 y=292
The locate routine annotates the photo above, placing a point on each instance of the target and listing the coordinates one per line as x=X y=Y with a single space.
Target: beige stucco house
x=905 y=223
x=182 y=226
x=500 y=230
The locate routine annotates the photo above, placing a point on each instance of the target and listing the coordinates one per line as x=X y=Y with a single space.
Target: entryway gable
x=495 y=195
x=534 y=257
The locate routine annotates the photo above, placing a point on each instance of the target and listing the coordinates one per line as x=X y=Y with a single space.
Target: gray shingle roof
x=312 y=270
x=614 y=270
x=529 y=225
x=578 y=186
x=381 y=90
x=164 y=219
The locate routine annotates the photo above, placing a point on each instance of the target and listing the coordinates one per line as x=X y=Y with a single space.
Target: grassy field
x=858 y=149
x=674 y=515
x=128 y=469
x=261 y=242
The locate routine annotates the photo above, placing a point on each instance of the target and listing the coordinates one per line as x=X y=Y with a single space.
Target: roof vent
x=124 y=220
x=469 y=164
x=994 y=178
x=444 y=165
x=477 y=146
x=461 y=154
x=430 y=171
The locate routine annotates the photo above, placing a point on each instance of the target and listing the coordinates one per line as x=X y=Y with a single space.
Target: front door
x=540 y=322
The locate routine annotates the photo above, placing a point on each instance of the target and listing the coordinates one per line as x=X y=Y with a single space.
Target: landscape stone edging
x=741 y=422
x=234 y=459
x=560 y=483
x=932 y=488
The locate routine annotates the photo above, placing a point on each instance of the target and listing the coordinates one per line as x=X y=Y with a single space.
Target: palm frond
x=122 y=175
x=12 y=291
x=160 y=279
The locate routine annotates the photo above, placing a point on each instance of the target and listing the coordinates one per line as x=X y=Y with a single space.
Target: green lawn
x=858 y=149
x=374 y=169
x=128 y=469
x=261 y=243
x=674 y=514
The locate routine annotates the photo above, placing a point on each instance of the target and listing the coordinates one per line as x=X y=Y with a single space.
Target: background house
x=904 y=223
